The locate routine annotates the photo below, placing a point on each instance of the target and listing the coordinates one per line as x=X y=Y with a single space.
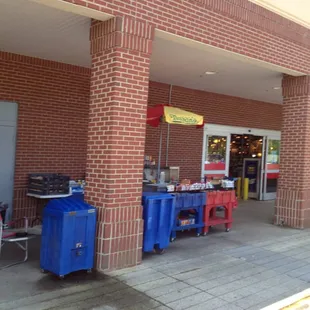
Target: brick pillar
x=120 y=50
x=293 y=197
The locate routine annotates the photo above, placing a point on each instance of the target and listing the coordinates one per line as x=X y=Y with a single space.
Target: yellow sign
x=182 y=117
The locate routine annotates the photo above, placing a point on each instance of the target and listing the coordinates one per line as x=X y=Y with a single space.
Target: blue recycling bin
x=77 y=196
x=158 y=215
x=68 y=236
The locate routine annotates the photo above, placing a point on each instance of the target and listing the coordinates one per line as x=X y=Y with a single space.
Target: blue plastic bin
x=158 y=215
x=78 y=196
x=189 y=201
x=179 y=204
x=68 y=236
x=199 y=199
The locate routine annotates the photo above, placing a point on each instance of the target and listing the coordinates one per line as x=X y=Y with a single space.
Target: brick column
x=293 y=197
x=120 y=50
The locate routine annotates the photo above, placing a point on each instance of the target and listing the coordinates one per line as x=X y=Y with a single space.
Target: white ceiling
x=36 y=30
x=182 y=65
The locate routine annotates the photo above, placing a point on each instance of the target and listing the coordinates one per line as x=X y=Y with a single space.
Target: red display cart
x=225 y=199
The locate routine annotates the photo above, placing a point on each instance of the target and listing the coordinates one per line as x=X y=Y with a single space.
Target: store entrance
x=246 y=152
x=243 y=153
x=241 y=147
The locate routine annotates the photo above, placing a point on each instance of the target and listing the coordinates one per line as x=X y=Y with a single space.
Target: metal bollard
x=245 y=189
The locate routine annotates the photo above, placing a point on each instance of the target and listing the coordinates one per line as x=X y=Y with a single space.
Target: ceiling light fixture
x=276 y=87
x=210 y=72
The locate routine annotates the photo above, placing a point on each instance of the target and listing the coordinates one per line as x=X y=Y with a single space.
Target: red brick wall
x=49 y=93
x=235 y=25
x=293 y=196
x=185 y=145
x=121 y=51
x=53 y=102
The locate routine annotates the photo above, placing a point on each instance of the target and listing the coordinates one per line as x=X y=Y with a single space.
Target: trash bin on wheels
x=68 y=237
x=158 y=215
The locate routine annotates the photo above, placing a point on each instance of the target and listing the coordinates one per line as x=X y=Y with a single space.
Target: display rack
x=224 y=199
x=186 y=202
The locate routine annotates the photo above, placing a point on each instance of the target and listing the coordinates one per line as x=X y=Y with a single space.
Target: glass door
x=225 y=148
x=270 y=169
x=216 y=155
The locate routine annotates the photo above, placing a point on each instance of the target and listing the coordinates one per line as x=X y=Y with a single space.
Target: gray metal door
x=8 y=121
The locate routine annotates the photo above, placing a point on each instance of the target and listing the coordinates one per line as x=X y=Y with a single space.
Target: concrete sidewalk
x=250 y=267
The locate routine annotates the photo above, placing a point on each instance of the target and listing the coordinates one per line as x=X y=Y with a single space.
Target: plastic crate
x=211 y=198
x=158 y=215
x=179 y=203
x=188 y=200
x=204 y=198
x=198 y=199
x=227 y=201
x=68 y=236
x=221 y=197
x=228 y=196
x=48 y=184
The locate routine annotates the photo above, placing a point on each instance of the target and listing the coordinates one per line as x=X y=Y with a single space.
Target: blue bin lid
x=68 y=205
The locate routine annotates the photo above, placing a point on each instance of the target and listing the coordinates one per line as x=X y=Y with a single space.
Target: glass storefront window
x=273 y=152
x=273 y=160
x=216 y=153
x=216 y=149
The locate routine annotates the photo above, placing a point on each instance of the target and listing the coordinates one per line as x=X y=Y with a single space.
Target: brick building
x=77 y=77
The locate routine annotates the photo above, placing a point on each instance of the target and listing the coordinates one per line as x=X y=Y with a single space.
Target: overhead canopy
x=172 y=115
